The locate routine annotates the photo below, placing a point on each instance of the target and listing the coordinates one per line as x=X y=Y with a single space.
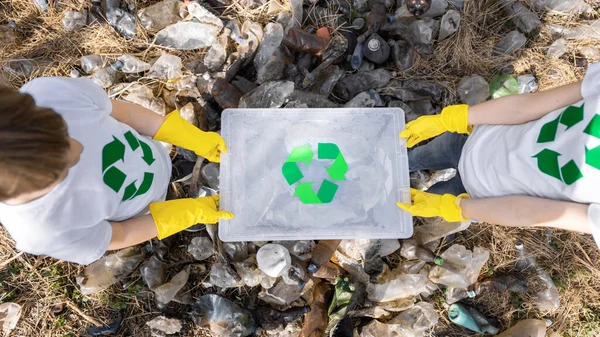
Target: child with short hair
x=80 y=172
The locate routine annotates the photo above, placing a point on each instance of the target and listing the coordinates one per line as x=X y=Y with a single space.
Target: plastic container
x=267 y=207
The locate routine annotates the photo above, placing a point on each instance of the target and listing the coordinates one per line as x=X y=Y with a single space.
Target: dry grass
x=573 y=260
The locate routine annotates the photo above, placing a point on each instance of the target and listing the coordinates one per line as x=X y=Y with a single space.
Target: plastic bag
x=201 y=248
x=166 y=293
x=109 y=270
x=458 y=255
x=223 y=316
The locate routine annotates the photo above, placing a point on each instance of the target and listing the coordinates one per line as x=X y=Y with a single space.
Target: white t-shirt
x=118 y=174
x=556 y=157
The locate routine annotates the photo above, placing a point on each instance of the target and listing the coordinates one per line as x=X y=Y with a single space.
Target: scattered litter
x=469 y=262
x=73 y=20
x=558 y=48
x=503 y=85
x=109 y=270
x=201 y=248
x=165 y=293
x=123 y=22
x=224 y=317
x=449 y=24
x=526 y=83
x=471 y=319
x=273 y=259
x=473 y=90
x=10 y=313
x=510 y=43
x=161 y=326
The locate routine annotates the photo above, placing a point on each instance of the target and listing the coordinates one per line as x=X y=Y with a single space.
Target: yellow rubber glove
x=173 y=216
x=430 y=205
x=179 y=132
x=454 y=118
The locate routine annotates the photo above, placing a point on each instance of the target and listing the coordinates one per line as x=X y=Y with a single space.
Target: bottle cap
x=439 y=260
x=374 y=45
x=312 y=268
x=471 y=293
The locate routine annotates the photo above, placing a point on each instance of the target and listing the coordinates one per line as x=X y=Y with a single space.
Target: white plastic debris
x=167 y=67
x=133 y=65
x=470 y=261
x=417 y=319
x=273 y=259
x=164 y=326
x=437 y=229
x=558 y=48
x=403 y=286
x=143 y=96
x=510 y=43
x=74 y=20
x=91 y=63
x=201 y=248
x=166 y=293
x=10 y=313
x=109 y=270
x=527 y=83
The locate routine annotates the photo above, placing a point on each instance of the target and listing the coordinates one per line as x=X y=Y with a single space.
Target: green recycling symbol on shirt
x=336 y=171
x=114 y=178
x=547 y=160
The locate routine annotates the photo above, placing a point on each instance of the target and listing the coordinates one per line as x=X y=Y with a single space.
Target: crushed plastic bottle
x=217 y=54
x=418 y=319
x=511 y=282
x=210 y=173
x=503 y=85
x=74 y=20
x=10 y=313
x=378 y=329
x=159 y=15
x=357 y=56
x=273 y=259
x=281 y=294
x=362 y=100
x=526 y=83
x=350 y=86
x=223 y=276
x=327 y=80
x=108 y=76
x=165 y=293
x=470 y=261
x=413 y=90
x=109 y=270
x=558 y=48
x=187 y=35
x=402 y=286
x=296 y=274
x=353 y=268
x=153 y=272
x=224 y=317
x=411 y=250
x=269 y=59
x=249 y=272
x=142 y=95
x=311 y=100
x=123 y=22
x=315 y=323
x=201 y=248
x=510 y=43
x=585 y=30
x=301 y=249
x=376 y=49
x=525 y=20
x=438 y=229
x=236 y=251
x=402 y=54
x=42 y=5
x=164 y=326
x=526 y=328
x=91 y=63
x=449 y=24
x=133 y=65
x=166 y=67
x=471 y=319
x=564 y=6
x=273 y=319
x=547 y=299
x=423 y=31
x=473 y=90
x=268 y=95
x=300 y=41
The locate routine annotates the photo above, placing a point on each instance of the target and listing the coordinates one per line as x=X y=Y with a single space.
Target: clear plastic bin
x=267 y=207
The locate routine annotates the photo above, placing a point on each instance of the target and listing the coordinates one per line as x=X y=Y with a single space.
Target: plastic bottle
x=217 y=54
x=510 y=43
x=108 y=76
x=91 y=63
x=402 y=54
x=210 y=172
x=511 y=282
x=526 y=328
x=42 y=4
x=123 y=22
x=547 y=299
x=74 y=20
x=300 y=41
x=273 y=319
x=357 y=56
x=418 y=7
x=201 y=248
x=377 y=50
x=10 y=313
x=133 y=65
x=471 y=319
x=350 y=86
x=322 y=254
x=153 y=272
x=473 y=90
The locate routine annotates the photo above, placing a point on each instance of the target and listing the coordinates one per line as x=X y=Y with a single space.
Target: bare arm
x=517 y=210
x=132 y=232
x=144 y=121
x=519 y=109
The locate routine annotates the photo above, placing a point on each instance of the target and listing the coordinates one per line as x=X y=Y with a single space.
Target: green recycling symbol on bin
x=304 y=191
x=547 y=160
x=114 y=178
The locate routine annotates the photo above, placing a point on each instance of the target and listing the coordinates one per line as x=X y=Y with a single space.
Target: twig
x=7 y=262
x=83 y=315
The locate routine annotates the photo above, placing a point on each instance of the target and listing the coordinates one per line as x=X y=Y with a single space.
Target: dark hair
x=33 y=145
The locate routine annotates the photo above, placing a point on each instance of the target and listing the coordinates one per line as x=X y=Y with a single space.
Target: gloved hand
x=453 y=118
x=591 y=81
x=430 y=205
x=179 y=132
x=173 y=216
